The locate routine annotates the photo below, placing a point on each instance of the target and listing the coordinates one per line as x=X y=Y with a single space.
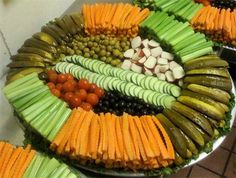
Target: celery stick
x=191 y=15
x=163 y=24
x=166 y=31
x=160 y=2
x=176 y=30
x=42 y=166
x=182 y=35
x=170 y=25
x=147 y=20
x=152 y=19
x=71 y=175
x=167 y=8
x=20 y=81
x=191 y=49
x=178 y=6
x=36 y=166
x=171 y=31
x=190 y=11
x=32 y=122
x=65 y=173
x=20 y=92
x=158 y=20
x=196 y=54
x=49 y=168
x=38 y=107
x=60 y=123
x=193 y=45
x=51 y=114
x=29 y=169
x=59 y=171
x=183 y=10
x=168 y=3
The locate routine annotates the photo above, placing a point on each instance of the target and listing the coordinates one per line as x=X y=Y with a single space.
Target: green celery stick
x=183 y=10
x=20 y=81
x=168 y=3
x=192 y=49
x=177 y=5
x=65 y=173
x=189 y=11
x=176 y=30
x=165 y=32
x=196 y=54
x=27 y=101
x=168 y=26
x=158 y=20
x=182 y=35
x=171 y=31
x=163 y=24
x=38 y=107
x=192 y=45
x=29 y=169
x=191 y=15
x=55 y=120
x=36 y=166
x=49 y=168
x=43 y=166
x=71 y=175
x=146 y=21
x=37 y=118
x=167 y=8
x=18 y=93
x=59 y=171
x=151 y=19
x=60 y=123
x=160 y=2
x=51 y=114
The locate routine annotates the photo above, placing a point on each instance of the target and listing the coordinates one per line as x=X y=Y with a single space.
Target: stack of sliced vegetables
x=26 y=163
x=125 y=141
x=113 y=19
x=178 y=36
x=219 y=24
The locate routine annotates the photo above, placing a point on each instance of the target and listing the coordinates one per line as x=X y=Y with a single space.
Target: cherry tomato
x=69 y=76
x=68 y=86
x=52 y=78
x=59 y=86
x=56 y=92
x=99 y=92
x=86 y=106
x=49 y=72
x=92 y=88
x=75 y=102
x=83 y=84
x=61 y=78
x=51 y=85
x=92 y=99
x=82 y=93
x=68 y=96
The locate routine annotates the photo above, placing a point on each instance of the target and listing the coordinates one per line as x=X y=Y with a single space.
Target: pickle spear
x=20 y=64
x=174 y=133
x=194 y=116
x=214 y=93
x=46 y=38
x=190 y=144
x=51 y=32
x=205 y=62
x=210 y=71
x=188 y=127
x=202 y=107
x=38 y=51
x=210 y=81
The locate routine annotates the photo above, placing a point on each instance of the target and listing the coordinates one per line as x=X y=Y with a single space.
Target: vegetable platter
x=122 y=90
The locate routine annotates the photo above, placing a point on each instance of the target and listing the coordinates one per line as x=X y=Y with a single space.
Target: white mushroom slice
x=142 y=60
x=167 y=55
x=150 y=62
x=155 y=52
x=157 y=69
x=181 y=82
x=136 y=42
x=169 y=76
x=129 y=53
x=146 y=52
x=145 y=43
x=153 y=44
x=126 y=64
x=173 y=65
x=141 y=53
x=147 y=71
x=136 y=68
x=161 y=76
x=162 y=61
x=136 y=56
x=178 y=72
x=164 y=68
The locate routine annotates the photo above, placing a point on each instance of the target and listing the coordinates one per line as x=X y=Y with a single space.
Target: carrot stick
x=118 y=156
x=14 y=157
x=110 y=136
x=94 y=137
x=221 y=19
x=119 y=136
x=170 y=149
x=105 y=137
x=100 y=138
x=118 y=13
x=5 y=156
x=126 y=158
x=141 y=16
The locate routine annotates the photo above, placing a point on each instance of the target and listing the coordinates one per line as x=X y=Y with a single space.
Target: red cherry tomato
x=69 y=76
x=61 y=78
x=52 y=78
x=59 y=86
x=83 y=84
x=82 y=93
x=92 y=99
x=51 y=85
x=75 y=102
x=99 y=92
x=49 y=72
x=56 y=92
x=68 y=86
x=86 y=106
x=92 y=88
x=68 y=96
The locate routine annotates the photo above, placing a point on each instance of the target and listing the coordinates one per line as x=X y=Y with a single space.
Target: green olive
x=92 y=38
x=78 y=52
x=102 y=36
x=108 y=53
x=87 y=55
x=92 y=52
x=97 y=50
x=126 y=48
x=123 y=44
x=106 y=42
x=109 y=48
x=109 y=59
x=95 y=44
x=116 y=52
x=97 y=38
x=112 y=42
x=90 y=44
x=102 y=53
x=103 y=58
x=86 y=50
x=95 y=56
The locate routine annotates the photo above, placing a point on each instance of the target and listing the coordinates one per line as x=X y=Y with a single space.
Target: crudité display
x=121 y=87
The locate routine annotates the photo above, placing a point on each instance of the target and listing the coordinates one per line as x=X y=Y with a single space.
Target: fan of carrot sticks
x=219 y=24
x=14 y=161
x=114 y=141
x=117 y=19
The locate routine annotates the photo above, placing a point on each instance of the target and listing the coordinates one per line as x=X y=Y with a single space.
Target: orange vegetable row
x=115 y=141
x=219 y=24
x=117 y=19
x=14 y=161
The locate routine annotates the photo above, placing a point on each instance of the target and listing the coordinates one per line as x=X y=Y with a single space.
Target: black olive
x=43 y=76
